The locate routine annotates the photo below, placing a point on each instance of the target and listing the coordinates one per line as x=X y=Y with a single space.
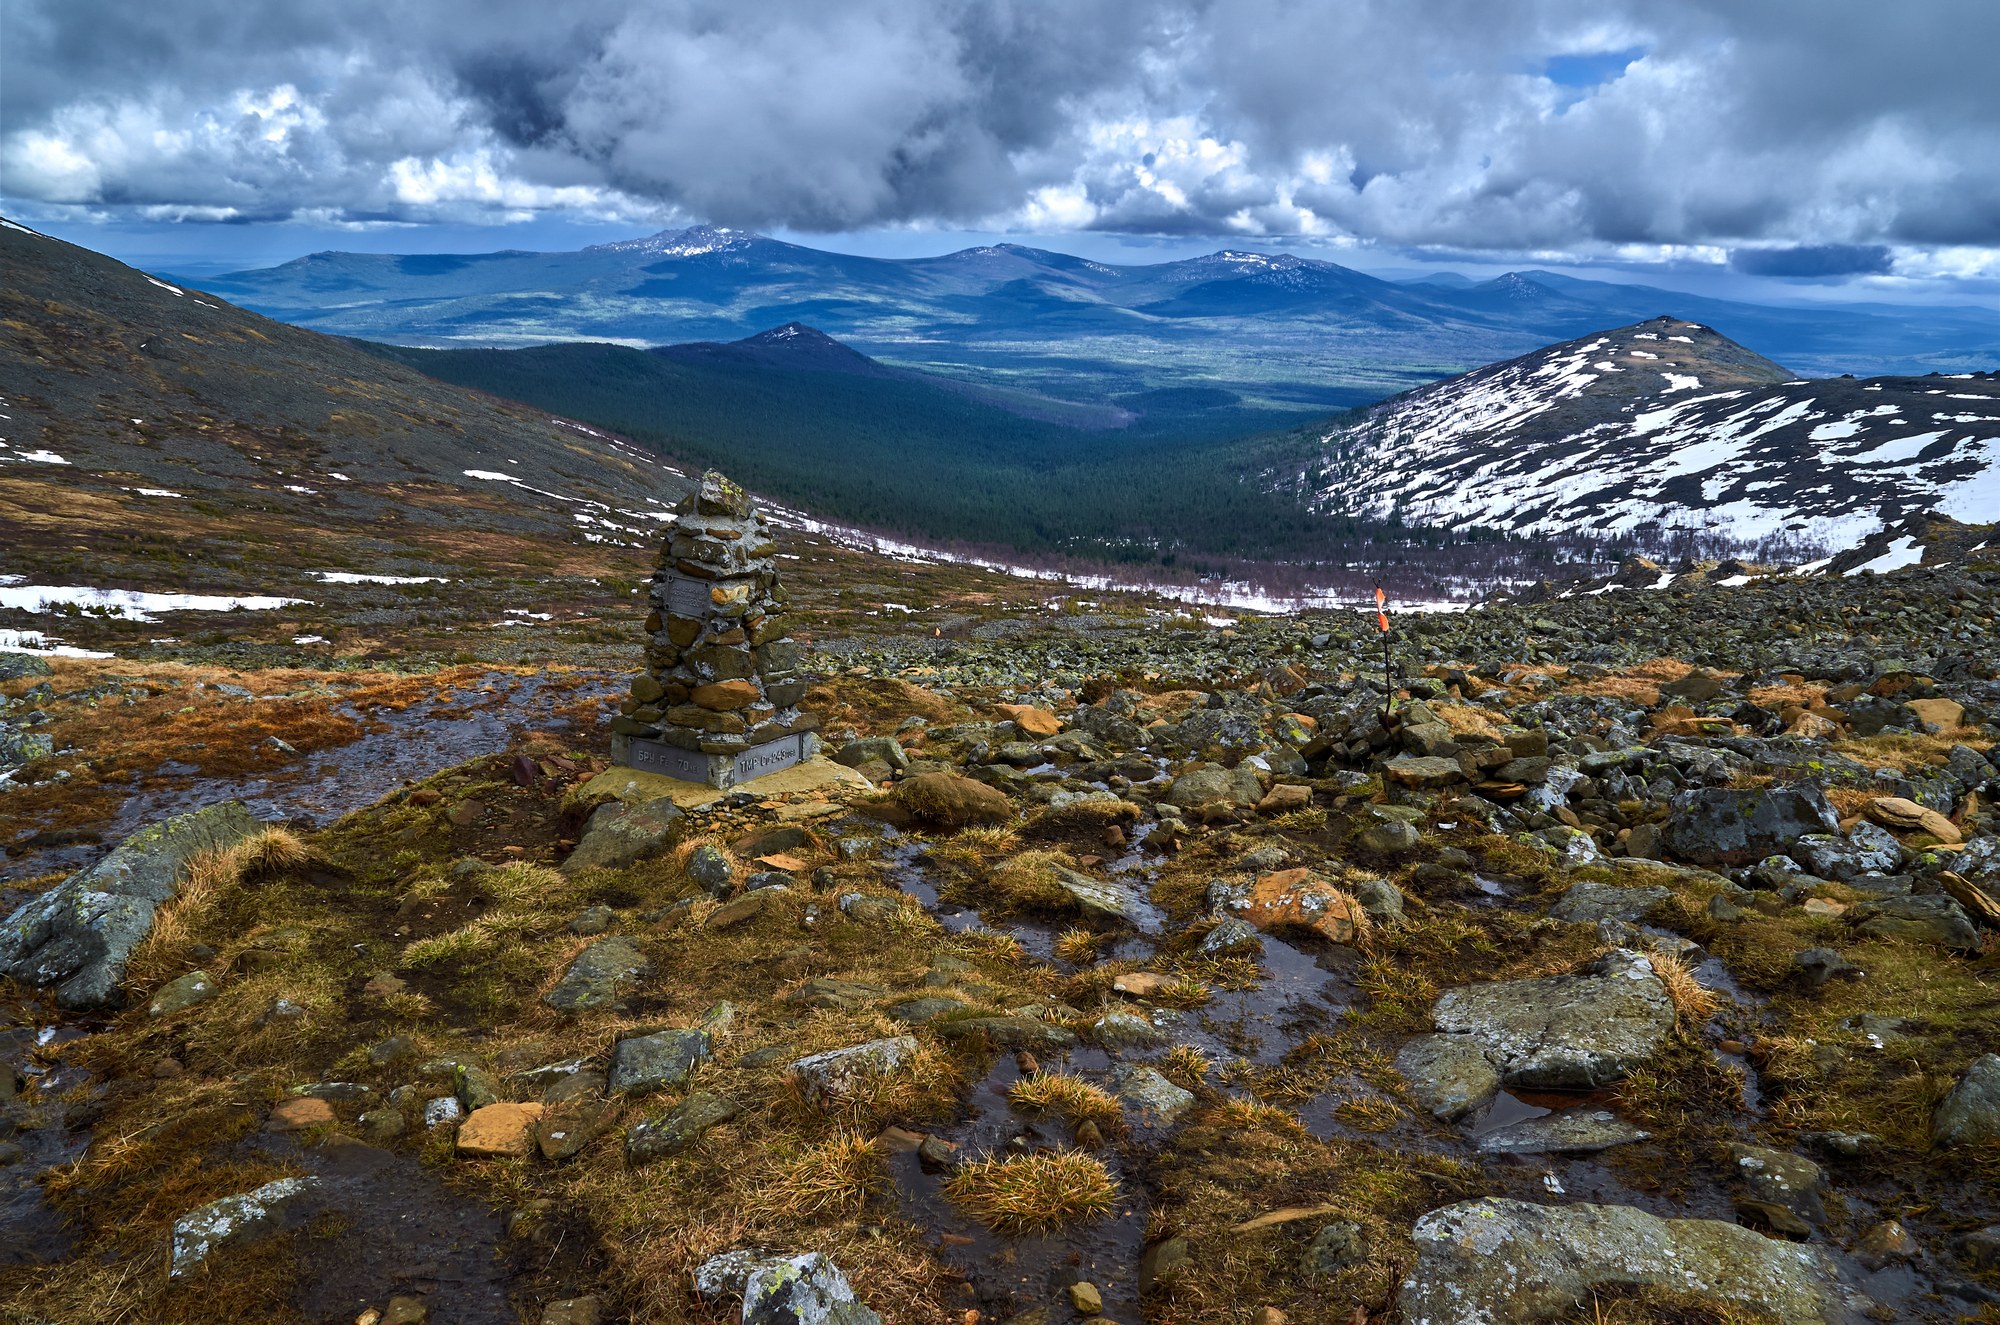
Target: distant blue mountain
x=1277 y=332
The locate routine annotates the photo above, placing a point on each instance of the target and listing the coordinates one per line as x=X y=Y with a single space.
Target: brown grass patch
x=1694 y=1002
x=1070 y=1098
x=1028 y=1194
x=839 y=1175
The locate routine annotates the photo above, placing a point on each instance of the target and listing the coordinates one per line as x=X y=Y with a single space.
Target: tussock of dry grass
x=1184 y=1065
x=1071 y=1098
x=837 y=1176
x=1027 y=1194
x=1027 y=882
x=210 y=877
x=1079 y=946
x=1694 y=1002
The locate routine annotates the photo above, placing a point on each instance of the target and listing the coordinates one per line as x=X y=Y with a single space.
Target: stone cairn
x=718 y=702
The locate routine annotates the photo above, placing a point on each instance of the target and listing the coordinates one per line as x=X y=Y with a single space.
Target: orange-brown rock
x=299 y=1114
x=1902 y=813
x=1284 y=798
x=499 y=1131
x=947 y=800
x=725 y=695
x=1033 y=721
x=1937 y=714
x=1301 y=899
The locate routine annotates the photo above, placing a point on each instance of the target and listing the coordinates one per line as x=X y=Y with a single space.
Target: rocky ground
x=1632 y=959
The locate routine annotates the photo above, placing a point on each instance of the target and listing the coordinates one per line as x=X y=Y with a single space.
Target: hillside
x=1664 y=426
x=795 y=414
x=148 y=411
x=1282 y=332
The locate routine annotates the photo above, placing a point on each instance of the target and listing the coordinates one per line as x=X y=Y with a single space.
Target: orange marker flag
x=1380 y=600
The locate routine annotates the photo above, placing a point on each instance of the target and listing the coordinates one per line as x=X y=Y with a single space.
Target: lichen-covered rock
x=807 y=1289
x=1936 y=920
x=651 y=1062
x=1970 y=1114
x=618 y=834
x=1152 y=1097
x=1727 y=826
x=832 y=1076
x=1448 y=1074
x=1564 y=1032
x=679 y=1127
x=1504 y=1262
x=599 y=976
x=1211 y=786
x=1299 y=899
x=234 y=1219
x=946 y=800
x=1587 y=903
x=79 y=935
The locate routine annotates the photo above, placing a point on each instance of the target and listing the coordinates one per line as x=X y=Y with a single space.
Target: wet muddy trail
x=395 y=746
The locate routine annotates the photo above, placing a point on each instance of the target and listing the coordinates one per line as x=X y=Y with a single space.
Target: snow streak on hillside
x=1669 y=425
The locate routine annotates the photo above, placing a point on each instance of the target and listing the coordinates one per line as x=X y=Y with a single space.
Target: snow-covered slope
x=1670 y=425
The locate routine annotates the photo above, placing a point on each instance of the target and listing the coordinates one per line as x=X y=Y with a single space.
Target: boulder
x=1970 y=1114
x=499 y=1131
x=946 y=800
x=1156 y=1100
x=1867 y=849
x=79 y=935
x=831 y=1077
x=599 y=976
x=235 y=1219
x=1299 y=899
x=1500 y=1262
x=1211 y=785
x=1588 y=903
x=679 y=1127
x=618 y=834
x=1726 y=826
x=181 y=994
x=1107 y=899
x=1783 y=1184
x=1448 y=1074
x=1007 y=1032
x=652 y=1062
x=1564 y=1032
x=1035 y=723
x=1907 y=816
x=1575 y=1132
x=807 y=1289
x=1423 y=771
x=1936 y=920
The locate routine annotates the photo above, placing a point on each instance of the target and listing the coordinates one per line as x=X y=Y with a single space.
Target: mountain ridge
x=1665 y=425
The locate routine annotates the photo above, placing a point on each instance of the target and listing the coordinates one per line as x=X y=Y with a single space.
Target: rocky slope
x=143 y=400
x=1630 y=959
x=1664 y=426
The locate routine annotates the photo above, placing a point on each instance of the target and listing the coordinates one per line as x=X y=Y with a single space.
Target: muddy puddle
x=1014 y=1274
x=1303 y=992
x=33 y=1117
x=479 y=718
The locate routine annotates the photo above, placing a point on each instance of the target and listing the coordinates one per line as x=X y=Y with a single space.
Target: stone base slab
x=719 y=771
x=814 y=777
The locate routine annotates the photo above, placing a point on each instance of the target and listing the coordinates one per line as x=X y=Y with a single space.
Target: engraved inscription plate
x=769 y=757
x=668 y=760
x=687 y=597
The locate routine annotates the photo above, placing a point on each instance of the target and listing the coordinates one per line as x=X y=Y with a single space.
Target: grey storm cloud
x=1799 y=135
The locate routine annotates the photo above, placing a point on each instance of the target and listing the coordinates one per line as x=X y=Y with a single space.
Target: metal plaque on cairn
x=719 y=700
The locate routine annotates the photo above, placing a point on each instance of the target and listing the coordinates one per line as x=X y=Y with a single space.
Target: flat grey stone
x=599 y=976
x=1565 y=1032
x=1587 y=903
x=1496 y=1262
x=79 y=935
x=651 y=1062
x=1448 y=1074
x=1579 y=1131
x=233 y=1219
x=1157 y=1100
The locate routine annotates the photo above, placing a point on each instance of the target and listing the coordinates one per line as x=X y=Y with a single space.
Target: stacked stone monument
x=718 y=702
